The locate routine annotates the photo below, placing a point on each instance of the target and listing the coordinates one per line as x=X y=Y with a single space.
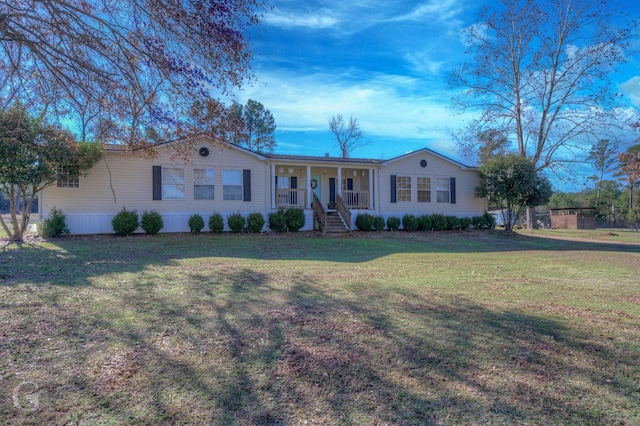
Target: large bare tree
x=538 y=72
x=348 y=135
x=133 y=63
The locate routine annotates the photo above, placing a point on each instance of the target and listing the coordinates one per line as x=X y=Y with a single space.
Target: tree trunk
x=532 y=222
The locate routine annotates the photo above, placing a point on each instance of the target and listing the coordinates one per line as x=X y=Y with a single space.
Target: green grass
x=391 y=328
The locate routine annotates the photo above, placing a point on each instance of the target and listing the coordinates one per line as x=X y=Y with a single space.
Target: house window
x=403 y=188
x=424 y=190
x=66 y=179
x=232 y=185
x=203 y=184
x=173 y=183
x=443 y=189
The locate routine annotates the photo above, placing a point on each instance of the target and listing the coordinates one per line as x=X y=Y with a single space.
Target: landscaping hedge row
x=427 y=222
x=292 y=219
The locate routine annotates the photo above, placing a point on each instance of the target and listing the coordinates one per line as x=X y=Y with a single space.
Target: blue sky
x=385 y=63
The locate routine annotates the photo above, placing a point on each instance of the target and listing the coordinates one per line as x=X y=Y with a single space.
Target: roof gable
x=429 y=152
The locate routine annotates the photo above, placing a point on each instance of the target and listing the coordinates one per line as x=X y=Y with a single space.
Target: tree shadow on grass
x=233 y=347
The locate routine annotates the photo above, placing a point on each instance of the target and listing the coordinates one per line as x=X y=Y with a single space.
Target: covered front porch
x=295 y=184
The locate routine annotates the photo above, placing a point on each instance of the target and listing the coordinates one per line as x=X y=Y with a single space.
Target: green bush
x=236 y=223
x=216 y=223
x=295 y=218
x=151 y=222
x=453 y=222
x=278 y=221
x=424 y=222
x=478 y=222
x=489 y=220
x=364 y=222
x=196 y=223
x=125 y=223
x=255 y=222
x=378 y=223
x=393 y=223
x=410 y=223
x=438 y=222
x=465 y=222
x=55 y=225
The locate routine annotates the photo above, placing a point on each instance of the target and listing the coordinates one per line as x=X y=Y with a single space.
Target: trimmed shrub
x=410 y=223
x=364 y=222
x=216 y=223
x=278 y=221
x=478 y=222
x=393 y=223
x=452 y=222
x=489 y=220
x=55 y=225
x=465 y=223
x=378 y=223
x=424 y=222
x=151 y=222
x=125 y=223
x=196 y=223
x=255 y=222
x=236 y=223
x=295 y=218
x=438 y=222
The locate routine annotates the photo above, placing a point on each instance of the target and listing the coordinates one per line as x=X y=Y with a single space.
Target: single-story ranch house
x=231 y=179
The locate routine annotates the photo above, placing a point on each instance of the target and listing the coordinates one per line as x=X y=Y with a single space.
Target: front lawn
x=391 y=328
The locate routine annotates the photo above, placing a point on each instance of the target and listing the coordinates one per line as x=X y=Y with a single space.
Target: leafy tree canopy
x=31 y=156
x=512 y=182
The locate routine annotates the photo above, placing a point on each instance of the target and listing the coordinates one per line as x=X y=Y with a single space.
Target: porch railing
x=319 y=213
x=343 y=211
x=286 y=197
x=356 y=199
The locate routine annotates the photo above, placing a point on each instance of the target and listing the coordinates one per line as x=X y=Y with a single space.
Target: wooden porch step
x=335 y=224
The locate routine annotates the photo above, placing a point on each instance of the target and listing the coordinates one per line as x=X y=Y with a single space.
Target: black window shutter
x=294 y=182
x=393 y=189
x=246 y=184
x=157 y=182
x=452 y=187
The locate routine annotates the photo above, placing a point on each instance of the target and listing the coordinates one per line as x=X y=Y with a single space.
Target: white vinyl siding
x=203 y=184
x=173 y=187
x=232 y=185
x=442 y=190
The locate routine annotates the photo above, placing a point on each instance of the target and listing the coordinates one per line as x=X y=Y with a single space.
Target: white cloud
x=318 y=20
x=398 y=110
x=435 y=9
x=631 y=88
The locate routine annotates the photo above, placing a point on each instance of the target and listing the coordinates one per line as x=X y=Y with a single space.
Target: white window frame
x=441 y=190
x=227 y=186
x=175 y=182
x=208 y=181
x=64 y=179
x=423 y=190
x=403 y=189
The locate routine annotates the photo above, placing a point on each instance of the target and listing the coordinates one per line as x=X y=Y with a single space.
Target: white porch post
x=310 y=196
x=370 y=189
x=339 y=182
x=273 y=186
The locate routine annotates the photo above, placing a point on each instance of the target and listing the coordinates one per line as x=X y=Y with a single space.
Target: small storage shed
x=574 y=218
